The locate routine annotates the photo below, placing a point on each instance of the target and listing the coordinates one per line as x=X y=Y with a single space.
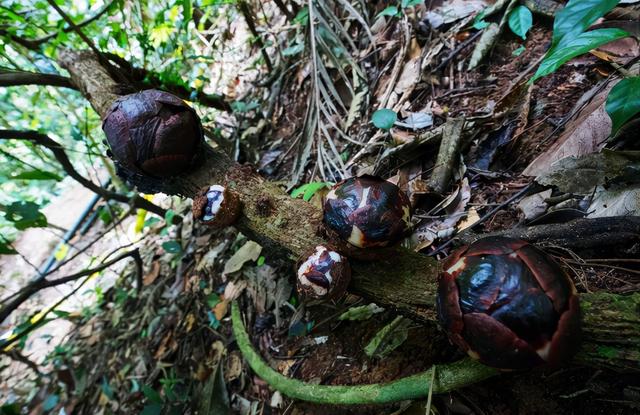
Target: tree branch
x=15 y=78
x=60 y=155
x=34 y=44
x=33 y=287
x=401 y=279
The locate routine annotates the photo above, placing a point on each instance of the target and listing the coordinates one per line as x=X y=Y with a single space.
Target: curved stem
x=447 y=377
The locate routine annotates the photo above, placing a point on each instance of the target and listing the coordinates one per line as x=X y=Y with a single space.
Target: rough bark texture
x=402 y=279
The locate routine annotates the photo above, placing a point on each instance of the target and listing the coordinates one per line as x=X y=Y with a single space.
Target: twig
x=448 y=155
x=25 y=293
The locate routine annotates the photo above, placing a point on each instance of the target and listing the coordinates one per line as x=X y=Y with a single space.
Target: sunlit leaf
x=623 y=102
x=36 y=175
x=581 y=44
x=576 y=17
x=520 y=21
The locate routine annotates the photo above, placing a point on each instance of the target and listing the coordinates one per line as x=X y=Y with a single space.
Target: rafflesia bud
x=153 y=132
x=509 y=304
x=367 y=211
x=325 y=274
x=216 y=206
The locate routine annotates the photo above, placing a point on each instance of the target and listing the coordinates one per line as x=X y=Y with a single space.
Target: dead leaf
x=586 y=133
x=250 y=251
x=167 y=345
x=534 y=205
x=623 y=202
x=234 y=367
x=220 y=310
x=453 y=10
x=581 y=174
x=233 y=290
x=151 y=276
x=470 y=220
x=189 y=321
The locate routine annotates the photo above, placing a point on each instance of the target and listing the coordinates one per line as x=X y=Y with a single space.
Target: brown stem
x=401 y=279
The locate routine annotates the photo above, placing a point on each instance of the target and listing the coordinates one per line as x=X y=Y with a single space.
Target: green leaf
x=172 y=247
x=213 y=300
x=25 y=215
x=161 y=34
x=309 y=189
x=583 y=43
x=520 y=21
x=168 y=216
x=152 y=409
x=478 y=21
x=186 y=11
x=261 y=260
x=293 y=49
x=151 y=394
x=518 y=51
x=410 y=3
x=384 y=118
x=623 y=102
x=6 y=249
x=360 y=313
x=36 y=175
x=389 y=11
x=302 y=18
x=576 y=17
x=389 y=338
x=50 y=402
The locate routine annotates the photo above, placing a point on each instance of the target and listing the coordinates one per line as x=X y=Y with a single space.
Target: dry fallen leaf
x=151 y=276
x=250 y=251
x=584 y=134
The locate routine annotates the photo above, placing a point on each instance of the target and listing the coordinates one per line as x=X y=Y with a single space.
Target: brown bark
x=401 y=279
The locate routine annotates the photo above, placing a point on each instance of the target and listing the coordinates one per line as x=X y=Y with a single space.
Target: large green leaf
x=520 y=21
x=576 y=17
x=581 y=44
x=25 y=215
x=623 y=102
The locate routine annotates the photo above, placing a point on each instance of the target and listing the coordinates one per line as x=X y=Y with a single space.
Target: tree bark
x=402 y=279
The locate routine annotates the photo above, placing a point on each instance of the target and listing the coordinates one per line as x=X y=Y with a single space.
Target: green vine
x=447 y=377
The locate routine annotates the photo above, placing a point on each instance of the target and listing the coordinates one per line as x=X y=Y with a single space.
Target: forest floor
x=170 y=344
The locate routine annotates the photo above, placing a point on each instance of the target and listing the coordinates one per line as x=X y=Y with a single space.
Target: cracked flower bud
x=367 y=211
x=216 y=206
x=324 y=274
x=509 y=304
x=153 y=132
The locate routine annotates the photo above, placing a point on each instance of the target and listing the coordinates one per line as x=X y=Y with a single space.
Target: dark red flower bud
x=509 y=304
x=216 y=206
x=324 y=274
x=153 y=132
x=367 y=211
